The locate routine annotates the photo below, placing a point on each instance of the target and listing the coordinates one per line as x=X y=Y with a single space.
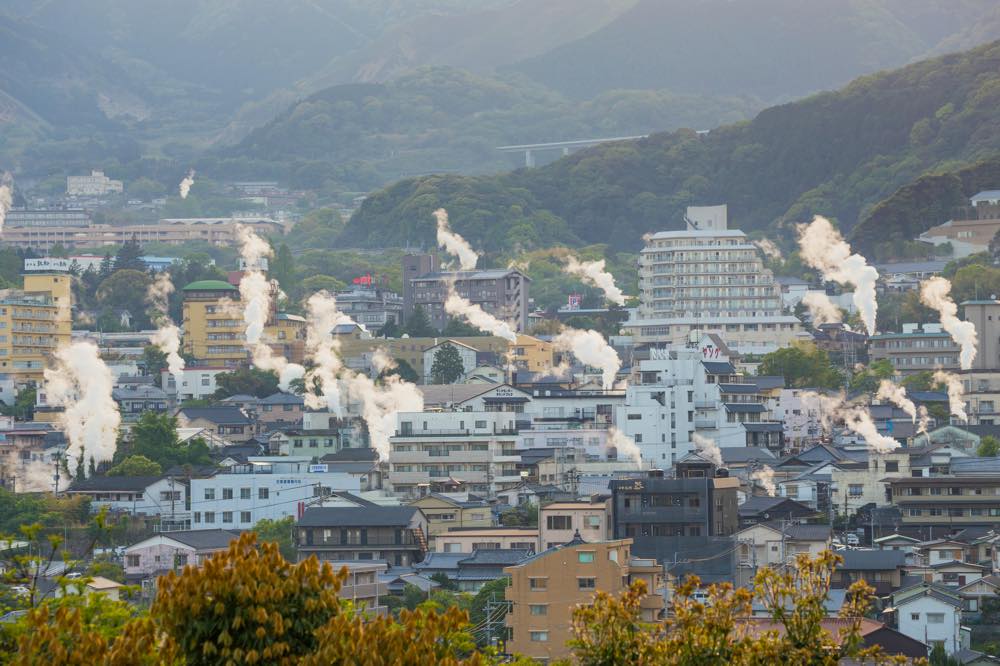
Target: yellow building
x=34 y=321
x=445 y=513
x=532 y=354
x=214 y=330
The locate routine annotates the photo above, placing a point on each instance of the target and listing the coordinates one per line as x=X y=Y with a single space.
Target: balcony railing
x=457 y=432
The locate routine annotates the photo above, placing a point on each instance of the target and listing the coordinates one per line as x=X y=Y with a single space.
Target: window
x=586 y=583
x=132 y=560
x=935 y=618
x=244 y=493
x=855 y=489
x=559 y=522
x=915 y=617
x=245 y=517
x=538 y=583
x=210 y=493
x=593 y=522
x=197 y=516
x=539 y=636
x=538 y=609
x=585 y=556
x=209 y=516
x=262 y=493
x=480 y=425
x=227 y=493
x=892 y=466
x=227 y=516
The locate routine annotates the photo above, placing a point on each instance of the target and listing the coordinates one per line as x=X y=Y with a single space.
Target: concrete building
x=709 y=278
x=967 y=496
x=488 y=538
x=161 y=553
x=776 y=544
x=973 y=230
x=931 y=614
x=28 y=218
x=94 y=185
x=197 y=382
x=501 y=292
x=370 y=307
x=546 y=588
x=471 y=452
x=447 y=512
x=918 y=348
x=395 y=534
x=34 y=321
x=558 y=522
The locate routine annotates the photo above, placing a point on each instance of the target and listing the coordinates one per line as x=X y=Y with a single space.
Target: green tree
x=137 y=465
x=989 y=447
x=803 y=365
x=447 y=367
x=129 y=257
x=250 y=381
x=24 y=404
x=154 y=437
x=283 y=267
x=154 y=360
x=126 y=289
x=939 y=657
x=458 y=328
x=418 y=325
x=279 y=532
x=315 y=283
x=919 y=381
x=868 y=379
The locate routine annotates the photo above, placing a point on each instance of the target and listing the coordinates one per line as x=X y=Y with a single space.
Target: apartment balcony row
x=456 y=432
x=457 y=457
x=440 y=475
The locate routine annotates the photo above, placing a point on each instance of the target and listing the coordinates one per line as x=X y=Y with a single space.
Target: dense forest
x=834 y=153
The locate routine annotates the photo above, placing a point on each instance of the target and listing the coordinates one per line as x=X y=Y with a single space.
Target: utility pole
x=58 y=459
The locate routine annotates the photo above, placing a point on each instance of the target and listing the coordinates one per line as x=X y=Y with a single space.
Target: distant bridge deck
x=529 y=148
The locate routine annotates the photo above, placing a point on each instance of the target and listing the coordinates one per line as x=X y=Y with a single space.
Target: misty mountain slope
x=834 y=153
x=773 y=49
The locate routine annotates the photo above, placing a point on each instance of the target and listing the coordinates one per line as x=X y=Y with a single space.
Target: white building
x=453 y=451
x=465 y=352
x=94 y=185
x=197 y=382
x=712 y=279
x=267 y=487
x=930 y=614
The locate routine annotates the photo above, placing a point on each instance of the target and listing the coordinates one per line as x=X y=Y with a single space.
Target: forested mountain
x=833 y=153
x=773 y=49
x=439 y=119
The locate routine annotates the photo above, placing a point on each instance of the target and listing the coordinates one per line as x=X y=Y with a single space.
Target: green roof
x=209 y=285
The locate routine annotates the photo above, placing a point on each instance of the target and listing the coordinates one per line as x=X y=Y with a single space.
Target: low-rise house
x=764 y=509
x=976 y=592
x=533 y=494
x=872 y=632
x=775 y=544
x=485 y=565
x=901 y=542
x=970 y=657
x=931 y=614
x=164 y=496
x=280 y=408
x=172 y=551
x=952 y=574
x=495 y=538
x=133 y=401
x=197 y=382
x=545 y=589
x=444 y=513
x=229 y=423
x=882 y=569
x=559 y=522
x=810 y=487
x=863 y=482
x=394 y=534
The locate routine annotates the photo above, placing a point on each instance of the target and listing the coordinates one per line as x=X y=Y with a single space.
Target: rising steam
x=764 y=475
x=821 y=308
x=185 y=186
x=459 y=306
x=323 y=349
x=593 y=273
x=707 y=449
x=625 y=445
x=770 y=250
x=453 y=243
x=823 y=248
x=934 y=293
x=826 y=407
x=859 y=420
x=6 y=196
x=168 y=335
x=81 y=383
x=956 y=401
x=590 y=348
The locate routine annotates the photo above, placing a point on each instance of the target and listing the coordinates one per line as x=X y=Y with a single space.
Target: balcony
x=706 y=404
x=457 y=432
x=705 y=424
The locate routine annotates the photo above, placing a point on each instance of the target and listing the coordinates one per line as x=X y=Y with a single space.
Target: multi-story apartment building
x=396 y=534
x=969 y=496
x=34 y=321
x=94 y=185
x=709 y=278
x=501 y=292
x=544 y=590
x=29 y=455
x=465 y=451
x=560 y=522
x=266 y=487
x=372 y=308
x=26 y=218
x=918 y=348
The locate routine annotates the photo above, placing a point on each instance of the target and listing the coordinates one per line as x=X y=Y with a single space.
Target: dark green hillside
x=834 y=153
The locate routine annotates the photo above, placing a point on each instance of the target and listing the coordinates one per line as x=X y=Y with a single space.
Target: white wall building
x=465 y=352
x=268 y=487
x=709 y=278
x=94 y=185
x=930 y=617
x=197 y=382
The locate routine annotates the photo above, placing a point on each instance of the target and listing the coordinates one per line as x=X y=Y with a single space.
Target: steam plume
x=764 y=475
x=823 y=248
x=81 y=383
x=460 y=306
x=185 y=186
x=33 y=476
x=590 y=348
x=167 y=336
x=827 y=407
x=626 y=446
x=858 y=419
x=592 y=272
x=821 y=308
x=770 y=250
x=6 y=196
x=956 y=401
x=322 y=317
x=381 y=404
x=934 y=293
x=454 y=243
x=707 y=449
x=896 y=395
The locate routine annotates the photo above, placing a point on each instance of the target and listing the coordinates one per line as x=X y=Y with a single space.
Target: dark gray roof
x=717 y=368
x=223 y=414
x=494 y=556
x=739 y=454
x=764 y=427
x=124 y=483
x=927 y=396
x=738 y=388
x=356 y=454
x=745 y=407
x=761 y=503
x=765 y=382
x=139 y=393
x=203 y=539
x=871 y=560
x=975 y=466
x=441 y=561
x=281 y=398
x=808 y=532
x=368 y=516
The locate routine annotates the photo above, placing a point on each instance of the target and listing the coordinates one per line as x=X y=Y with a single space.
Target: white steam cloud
x=823 y=248
x=821 y=309
x=460 y=306
x=858 y=419
x=453 y=243
x=168 y=335
x=323 y=349
x=707 y=449
x=590 y=348
x=185 y=187
x=934 y=293
x=764 y=475
x=626 y=447
x=890 y=392
x=956 y=392
x=770 y=250
x=826 y=407
x=381 y=403
x=81 y=383
x=593 y=273
x=6 y=196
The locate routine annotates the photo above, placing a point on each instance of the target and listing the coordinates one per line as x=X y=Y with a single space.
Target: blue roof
x=745 y=407
x=719 y=368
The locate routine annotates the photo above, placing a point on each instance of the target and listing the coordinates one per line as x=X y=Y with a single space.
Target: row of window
x=245 y=493
x=227 y=517
x=956 y=513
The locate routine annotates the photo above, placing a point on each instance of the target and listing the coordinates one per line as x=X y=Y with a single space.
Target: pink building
x=172 y=551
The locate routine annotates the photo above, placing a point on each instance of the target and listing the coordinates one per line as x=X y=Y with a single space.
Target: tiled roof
x=368 y=516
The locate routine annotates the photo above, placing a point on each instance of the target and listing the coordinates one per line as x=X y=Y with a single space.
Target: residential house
x=969 y=496
x=931 y=614
x=493 y=538
x=545 y=589
x=811 y=487
x=882 y=569
x=227 y=422
x=395 y=534
x=163 y=496
x=559 y=522
x=873 y=633
x=444 y=512
x=160 y=553
x=534 y=494
x=487 y=564
x=899 y=542
x=861 y=483
x=764 y=509
x=953 y=573
x=466 y=353
x=279 y=409
x=775 y=544
x=134 y=401
x=980 y=590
